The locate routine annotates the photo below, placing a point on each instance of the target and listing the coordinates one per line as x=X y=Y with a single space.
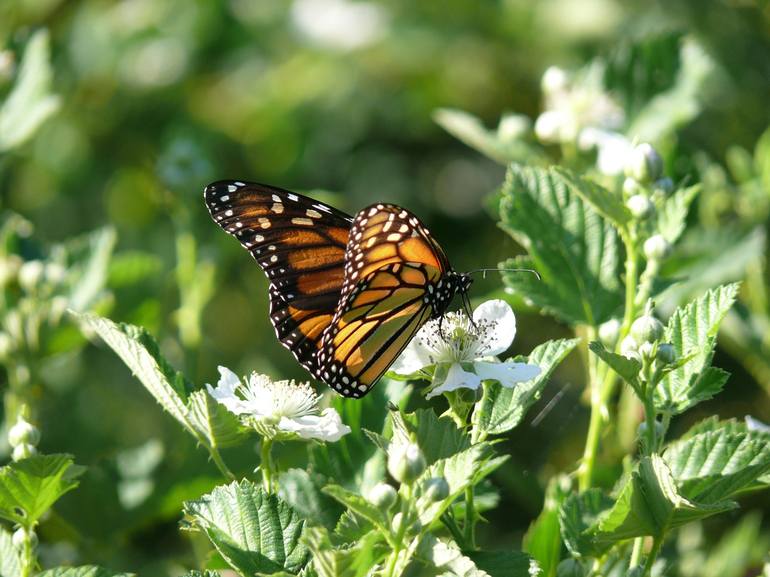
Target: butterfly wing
x=300 y=244
x=394 y=282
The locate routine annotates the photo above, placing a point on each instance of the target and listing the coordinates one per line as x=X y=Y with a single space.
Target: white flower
x=457 y=343
x=340 y=24
x=289 y=406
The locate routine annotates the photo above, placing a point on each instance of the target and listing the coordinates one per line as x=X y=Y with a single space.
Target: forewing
x=299 y=243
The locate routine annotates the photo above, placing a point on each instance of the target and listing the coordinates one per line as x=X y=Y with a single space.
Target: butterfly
x=347 y=294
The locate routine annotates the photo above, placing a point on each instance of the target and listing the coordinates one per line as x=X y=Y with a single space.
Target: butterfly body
x=346 y=293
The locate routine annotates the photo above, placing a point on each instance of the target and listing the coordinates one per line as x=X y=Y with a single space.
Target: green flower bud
x=405 y=462
x=666 y=353
x=629 y=347
x=640 y=206
x=23 y=451
x=54 y=273
x=383 y=496
x=21 y=536
x=436 y=489
x=31 y=274
x=631 y=187
x=641 y=431
x=645 y=350
x=644 y=164
x=656 y=247
x=646 y=329
x=23 y=433
x=554 y=80
x=609 y=332
x=398 y=522
x=512 y=127
x=664 y=185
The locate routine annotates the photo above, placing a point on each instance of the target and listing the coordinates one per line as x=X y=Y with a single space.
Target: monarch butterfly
x=346 y=293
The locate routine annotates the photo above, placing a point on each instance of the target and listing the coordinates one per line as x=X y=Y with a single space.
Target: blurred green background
x=333 y=98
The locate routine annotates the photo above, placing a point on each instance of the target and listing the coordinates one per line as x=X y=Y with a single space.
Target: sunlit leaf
x=86 y=571
x=603 y=201
x=627 y=368
x=543 y=538
x=579 y=511
x=438 y=437
x=354 y=561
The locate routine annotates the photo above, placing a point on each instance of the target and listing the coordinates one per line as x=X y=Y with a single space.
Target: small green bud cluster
x=382 y=496
x=643 y=341
x=644 y=181
x=23 y=438
x=405 y=461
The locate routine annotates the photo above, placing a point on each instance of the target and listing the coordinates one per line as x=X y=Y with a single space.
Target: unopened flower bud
x=665 y=185
x=512 y=127
x=23 y=433
x=645 y=350
x=23 y=451
x=405 y=462
x=656 y=247
x=644 y=164
x=640 y=206
x=54 y=273
x=549 y=126
x=629 y=347
x=383 y=496
x=30 y=274
x=631 y=187
x=666 y=353
x=609 y=332
x=21 y=536
x=554 y=80
x=642 y=429
x=398 y=524
x=436 y=489
x=647 y=329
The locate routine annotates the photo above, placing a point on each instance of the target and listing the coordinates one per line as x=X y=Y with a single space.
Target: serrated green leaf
x=506 y=563
x=715 y=465
x=195 y=573
x=302 y=490
x=253 y=531
x=213 y=421
x=578 y=513
x=350 y=527
x=358 y=505
x=500 y=409
x=543 y=538
x=470 y=130
x=603 y=201
x=354 y=561
x=572 y=247
x=693 y=329
x=650 y=504
x=31 y=100
x=572 y=568
x=672 y=215
x=28 y=488
x=627 y=368
x=85 y=571
x=10 y=560
x=447 y=557
x=437 y=437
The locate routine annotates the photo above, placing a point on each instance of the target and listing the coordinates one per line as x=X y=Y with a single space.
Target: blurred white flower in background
x=578 y=110
x=290 y=407
x=460 y=350
x=339 y=24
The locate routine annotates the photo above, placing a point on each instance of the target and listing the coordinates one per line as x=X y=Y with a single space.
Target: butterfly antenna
x=467 y=307
x=485 y=270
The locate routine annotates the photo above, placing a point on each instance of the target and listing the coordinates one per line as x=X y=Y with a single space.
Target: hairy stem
x=470 y=519
x=219 y=462
x=266 y=465
x=652 y=555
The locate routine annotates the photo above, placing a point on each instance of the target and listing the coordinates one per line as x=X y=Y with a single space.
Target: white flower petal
x=500 y=314
x=224 y=393
x=414 y=357
x=507 y=374
x=327 y=426
x=753 y=424
x=457 y=378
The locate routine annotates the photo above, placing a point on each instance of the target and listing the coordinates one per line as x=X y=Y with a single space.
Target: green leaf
x=500 y=409
x=543 y=538
x=10 y=559
x=253 y=531
x=302 y=490
x=578 y=513
x=28 y=488
x=573 y=568
x=506 y=563
x=87 y=275
x=84 y=571
x=351 y=527
x=196 y=411
x=672 y=214
x=30 y=102
x=627 y=368
x=354 y=561
x=572 y=247
x=739 y=549
x=693 y=329
x=358 y=505
x=603 y=201
x=446 y=556
x=715 y=465
x=195 y=573
x=470 y=130
x=650 y=504
x=437 y=437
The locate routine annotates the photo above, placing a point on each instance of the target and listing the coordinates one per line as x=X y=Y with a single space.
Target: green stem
x=449 y=522
x=652 y=555
x=470 y=519
x=266 y=465
x=217 y=458
x=636 y=553
x=390 y=570
x=27 y=556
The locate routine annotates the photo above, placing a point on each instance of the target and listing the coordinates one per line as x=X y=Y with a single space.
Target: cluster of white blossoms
x=578 y=110
x=292 y=408
x=461 y=351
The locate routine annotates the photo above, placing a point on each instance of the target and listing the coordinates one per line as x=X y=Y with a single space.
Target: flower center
x=280 y=398
x=457 y=339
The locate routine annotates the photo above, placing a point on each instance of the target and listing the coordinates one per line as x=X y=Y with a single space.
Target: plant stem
x=390 y=570
x=652 y=555
x=27 y=556
x=470 y=519
x=636 y=553
x=449 y=522
x=219 y=462
x=266 y=465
